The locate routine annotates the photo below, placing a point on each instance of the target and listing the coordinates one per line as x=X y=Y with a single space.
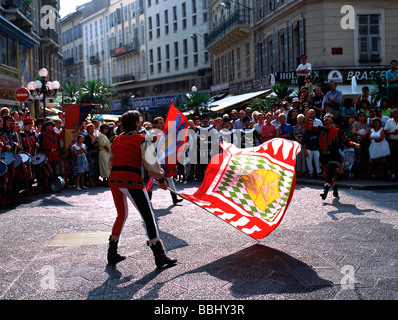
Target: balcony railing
x=50 y=34
x=238 y=18
x=124 y=78
x=94 y=59
x=130 y=47
x=68 y=62
x=19 y=5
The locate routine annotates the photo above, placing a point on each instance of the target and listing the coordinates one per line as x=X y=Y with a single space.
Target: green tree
x=380 y=87
x=282 y=90
x=70 y=91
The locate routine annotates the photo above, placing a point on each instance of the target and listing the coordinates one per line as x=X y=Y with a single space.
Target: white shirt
x=303 y=67
x=391 y=126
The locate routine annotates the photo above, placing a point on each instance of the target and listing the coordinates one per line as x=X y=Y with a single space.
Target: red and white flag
x=250 y=188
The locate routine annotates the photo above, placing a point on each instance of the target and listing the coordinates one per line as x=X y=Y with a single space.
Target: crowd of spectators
x=84 y=162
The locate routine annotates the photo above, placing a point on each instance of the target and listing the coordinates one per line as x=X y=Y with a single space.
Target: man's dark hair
x=393 y=61
x=129 y=120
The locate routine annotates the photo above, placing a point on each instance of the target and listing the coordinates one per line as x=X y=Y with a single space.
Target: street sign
x=22 y=94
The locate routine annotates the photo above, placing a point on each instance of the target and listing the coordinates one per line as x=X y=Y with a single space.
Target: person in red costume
x=49 y=144
x=330 y=139
x=129 y=151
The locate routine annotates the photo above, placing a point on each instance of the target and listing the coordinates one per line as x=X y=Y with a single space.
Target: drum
x=3 y=173
x=17 y=160
x=27 y=161
x=57 y=184
x=39 y=160
x=7 y=157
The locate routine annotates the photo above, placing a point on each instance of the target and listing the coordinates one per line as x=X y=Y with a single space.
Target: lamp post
x=227 y=4
x=43 y=87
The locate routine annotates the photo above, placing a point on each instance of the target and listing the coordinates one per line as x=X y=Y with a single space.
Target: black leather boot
x=326 y=188
x=335 y=191
x=161 y=259
x=113 y=256
x=174 y=197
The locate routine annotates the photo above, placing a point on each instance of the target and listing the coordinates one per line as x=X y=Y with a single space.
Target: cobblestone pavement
x=54 y=247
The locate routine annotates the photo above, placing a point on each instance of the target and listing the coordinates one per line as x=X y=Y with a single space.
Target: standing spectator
x=391 y=129
x=79 y=151
x=383 y=118
x=317 y=102
x=360 y=131
x=379 y=149
x=315 y=121
x=365 y=95
x=385 y=107
x=348 y=111
x=333 y=100
x=91 y=141
x=392 y=84
x=298 y=132
x=103 y=157
x=259 y=125
x=304 y=69
x=311 y=151
x=238 y=123
x=58 y=126
x=284 y=129
x=268 y=130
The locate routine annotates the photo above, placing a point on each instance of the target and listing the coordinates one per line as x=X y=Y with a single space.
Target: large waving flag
x=175 y=134
x=250 y=188
x=75 y=113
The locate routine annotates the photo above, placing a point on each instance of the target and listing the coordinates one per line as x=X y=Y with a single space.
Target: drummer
x=3 y=177
x=29 y=146
x=9 y=146
x=49 y=144
x=28 y=137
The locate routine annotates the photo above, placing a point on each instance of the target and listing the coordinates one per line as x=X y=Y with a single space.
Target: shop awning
x=230 y=101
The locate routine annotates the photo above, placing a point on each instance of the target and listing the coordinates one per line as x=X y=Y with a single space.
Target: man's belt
x=51 y=150
x=126 y=168
x=325 y=152
x=128 y=182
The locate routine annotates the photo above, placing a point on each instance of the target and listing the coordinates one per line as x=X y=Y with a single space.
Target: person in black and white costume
x=249 y=135
x=207 y=139
x=227 y=134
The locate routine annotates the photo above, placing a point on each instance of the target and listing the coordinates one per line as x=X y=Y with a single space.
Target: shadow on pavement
x=256 y=270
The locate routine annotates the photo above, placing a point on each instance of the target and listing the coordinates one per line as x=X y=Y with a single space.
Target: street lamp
x=227 y=4
x=43 y=87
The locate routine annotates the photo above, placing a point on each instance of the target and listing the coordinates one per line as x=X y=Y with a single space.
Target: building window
x=248 y=70
x=166 y=22
x=159 y=53
x=150 y=28
x=157 y=25
x=176 y=62
x=369 y=38
x=184 y=15
x=175 y=27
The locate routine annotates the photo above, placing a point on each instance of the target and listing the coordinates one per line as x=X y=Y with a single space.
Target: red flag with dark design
x=250 y=188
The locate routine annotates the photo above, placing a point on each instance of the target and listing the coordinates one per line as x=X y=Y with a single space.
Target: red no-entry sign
x=22 y=94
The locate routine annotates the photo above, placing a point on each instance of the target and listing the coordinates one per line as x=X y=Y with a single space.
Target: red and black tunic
x=50 y=145
x=29 y=142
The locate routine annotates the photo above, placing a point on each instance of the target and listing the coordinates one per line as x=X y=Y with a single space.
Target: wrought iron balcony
x=236 y=24
x=68 y=62
x=130 y=47
x=94 y=59
x=17 y=10
x=124 y=78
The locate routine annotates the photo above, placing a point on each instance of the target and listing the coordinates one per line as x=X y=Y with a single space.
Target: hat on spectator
x=45 y=124
x=27 y=121
x=295 y=100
